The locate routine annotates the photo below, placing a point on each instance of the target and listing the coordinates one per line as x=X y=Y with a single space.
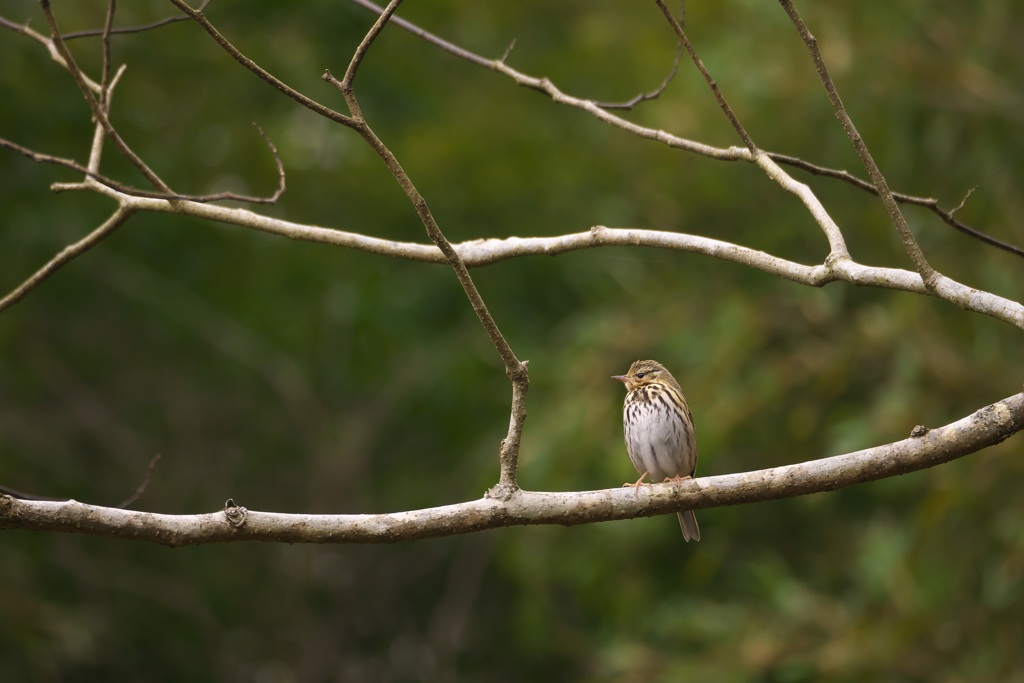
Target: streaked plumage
x=660 y=438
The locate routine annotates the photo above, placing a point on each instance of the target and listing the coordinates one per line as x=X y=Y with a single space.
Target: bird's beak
x=622 y=378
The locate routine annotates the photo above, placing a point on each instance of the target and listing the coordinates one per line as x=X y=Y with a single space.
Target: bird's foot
x=636 y=487
x=678 y=480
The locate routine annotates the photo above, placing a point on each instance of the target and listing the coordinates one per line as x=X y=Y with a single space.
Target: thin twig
x=132 y=29
x=142 y=487
x=357 y=57
x=927 y=202
x=512 y=364
x=655 y=94
x=707 y=77
x=517 y=371
x=51 y=47
x=430 y=37
x=545 y=86
x=97 y=110
x=964 y=201
x=133 y=192
x=928 y=274
x=106 y=53
x=197 y=15
x=67 y=254
x=508 y=51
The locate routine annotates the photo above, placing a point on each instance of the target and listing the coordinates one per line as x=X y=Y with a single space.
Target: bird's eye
x=640 y=375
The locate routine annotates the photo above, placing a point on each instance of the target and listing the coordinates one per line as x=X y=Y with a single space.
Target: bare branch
x=545 y=86
x=477 y=253
x=654 y=94
x=260 y=71
x=97 y=110
x=106 y=52
x=132 y=192
x=357 y=57
x=927 y=202
x=928 y=274
x=517 y=371
x=67 y=254
x=986 y=427
x=430 y=37
x=707 y=77
x=51 y=47
x=730 y=154
x=964 y=200
x=142 y=487
x=132 y=29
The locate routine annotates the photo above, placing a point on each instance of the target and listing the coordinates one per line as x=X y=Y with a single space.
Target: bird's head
x=646 y=372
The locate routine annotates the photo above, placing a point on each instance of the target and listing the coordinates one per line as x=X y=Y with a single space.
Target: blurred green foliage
x=305 y=378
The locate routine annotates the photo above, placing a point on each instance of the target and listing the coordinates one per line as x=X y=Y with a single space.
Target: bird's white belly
x=656 y=441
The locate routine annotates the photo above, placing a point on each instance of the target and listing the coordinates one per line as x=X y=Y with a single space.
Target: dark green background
x=300 y=377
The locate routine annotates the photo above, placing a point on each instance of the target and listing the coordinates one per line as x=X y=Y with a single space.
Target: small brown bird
x=660 y=438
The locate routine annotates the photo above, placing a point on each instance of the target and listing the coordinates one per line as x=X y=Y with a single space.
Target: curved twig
x=654 y=94
x=133 y=192
x=132 y=29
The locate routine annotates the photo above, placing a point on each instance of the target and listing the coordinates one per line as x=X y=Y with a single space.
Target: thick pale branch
x=835 y=237
x=477 y=253
x=986 y=427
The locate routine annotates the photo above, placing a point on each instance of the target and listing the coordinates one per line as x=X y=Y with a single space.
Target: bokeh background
x=301 y=377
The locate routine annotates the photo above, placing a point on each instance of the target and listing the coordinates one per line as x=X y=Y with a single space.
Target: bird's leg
x=637 y=485
x=678 y=480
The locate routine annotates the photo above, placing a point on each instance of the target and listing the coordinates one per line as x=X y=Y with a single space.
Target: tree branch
x=654 y=94
x=97 y=110
x=730 y=154
x=927 y=448
x=707 y=77
x=67 y=254
x=927 y=202
x=132 y=29
x=928 y=274
x=478 y=253
x=111 y=6
x=252 y=66
x=133 y=192
x=517 y=371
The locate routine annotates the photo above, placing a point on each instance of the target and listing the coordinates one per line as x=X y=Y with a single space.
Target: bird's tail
x=688 y=523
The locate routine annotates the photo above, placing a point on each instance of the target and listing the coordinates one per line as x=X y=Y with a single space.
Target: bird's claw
x=678 y=480
x=636 y=487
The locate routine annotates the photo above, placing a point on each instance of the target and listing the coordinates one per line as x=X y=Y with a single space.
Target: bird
x=660 y=437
